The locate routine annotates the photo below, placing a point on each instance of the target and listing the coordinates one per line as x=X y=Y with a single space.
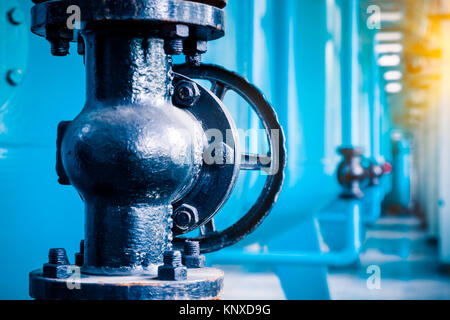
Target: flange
x=201 y=284
x=205 y=22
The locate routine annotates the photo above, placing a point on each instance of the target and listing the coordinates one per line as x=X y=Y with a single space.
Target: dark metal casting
x=58 y=266
x=49 y=19
x=143 y=153
x=217 y=3
x=79 y=256
x=201 y=284
x=374 y=173
x=274 y=163
x=351 y=173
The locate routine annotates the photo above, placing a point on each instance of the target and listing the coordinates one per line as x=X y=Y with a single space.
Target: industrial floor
x=398 y=246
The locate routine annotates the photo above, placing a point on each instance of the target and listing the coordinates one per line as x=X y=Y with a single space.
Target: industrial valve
x=374 y=172
x=356 y=171
x=153 y=154
x=351 y=173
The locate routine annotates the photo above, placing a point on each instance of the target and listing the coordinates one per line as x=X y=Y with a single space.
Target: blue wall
x=36 y=213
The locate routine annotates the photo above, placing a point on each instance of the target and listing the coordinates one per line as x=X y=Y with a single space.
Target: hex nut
x=170 y=273
x=194 y=262
x=55 y=271
x=184 y=217
x=175 y=30
x=186 y=94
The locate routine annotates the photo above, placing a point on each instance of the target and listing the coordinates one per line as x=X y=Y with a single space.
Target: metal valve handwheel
x=223 y=81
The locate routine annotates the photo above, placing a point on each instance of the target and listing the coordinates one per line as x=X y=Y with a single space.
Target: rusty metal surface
x=201 y=284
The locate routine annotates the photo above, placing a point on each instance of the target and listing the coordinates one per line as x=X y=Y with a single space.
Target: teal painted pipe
x=351 y=86
x=294 y=58
x=373 y=199
x=374 y=100
x=308 y=111
x=401 y=181
x=348 y=211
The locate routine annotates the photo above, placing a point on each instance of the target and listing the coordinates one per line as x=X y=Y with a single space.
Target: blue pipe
x=341 y=210
x=401 y=181
x=373 y=198
x=351 y=126
x=351 y=121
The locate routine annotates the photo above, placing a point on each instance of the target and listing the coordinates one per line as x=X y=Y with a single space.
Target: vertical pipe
x=444 y=133
x=350 y=73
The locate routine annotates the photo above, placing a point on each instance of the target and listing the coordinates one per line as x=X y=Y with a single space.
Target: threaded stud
x=174 y=46
x=58 y=256
x=60 y=47
x=172 y=258
x=82 y=246
x=191 y=248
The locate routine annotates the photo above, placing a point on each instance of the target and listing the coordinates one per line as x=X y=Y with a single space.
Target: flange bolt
x=192 y=258
x=186 y=94
x=60 y=47
x=173 y=269
x=58 y=256
x=79 y=257
x=191 y=248
x=58 y=266
x=185 y=217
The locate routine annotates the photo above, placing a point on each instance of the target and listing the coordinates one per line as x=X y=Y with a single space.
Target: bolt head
x=168 y=273
x=186 y=94
x=16 y=16
x=194 y=262
x=175 y=30
x=185 y=217
x=55 y=271
x=15 y=77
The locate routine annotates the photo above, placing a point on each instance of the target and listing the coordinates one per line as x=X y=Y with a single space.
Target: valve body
x=139 y=151
x=130 y=153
